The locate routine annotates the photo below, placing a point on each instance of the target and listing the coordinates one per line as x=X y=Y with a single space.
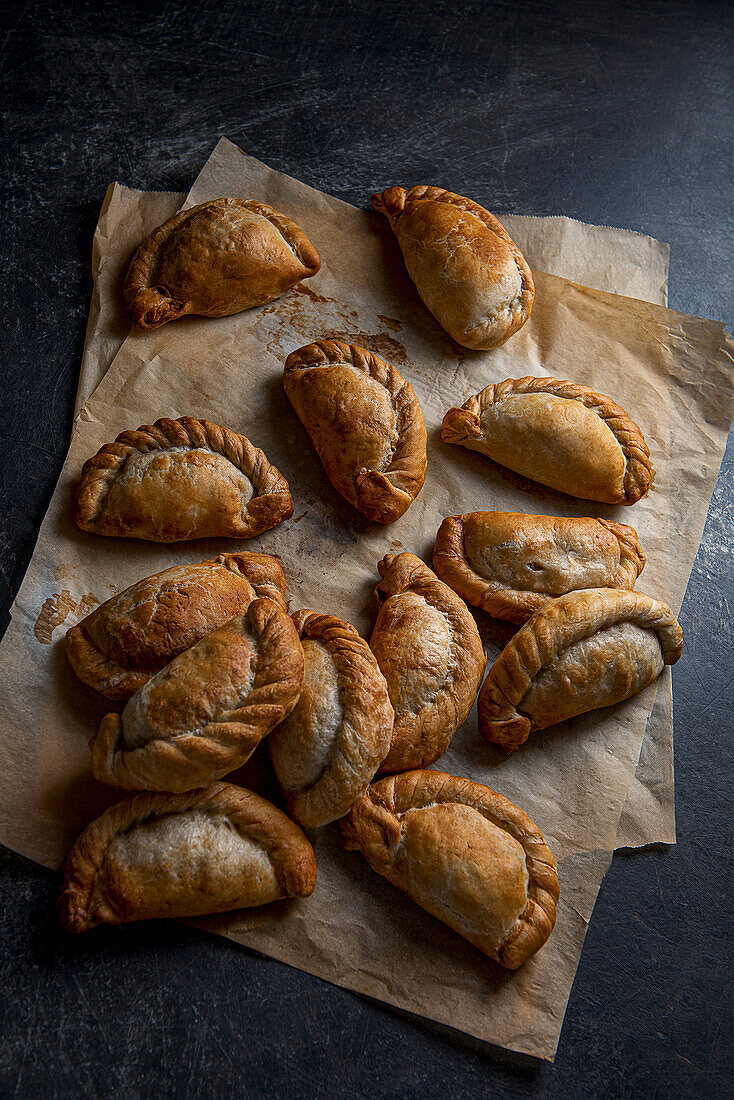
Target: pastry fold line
x=374 y=827
x=560 y=624
x=82 y=905
x=382 y=495
x=365 y=729
x=461 y=424
x=270 y=504
x=150 y=306
x=493 y=331
x=188 y=759
x=516 y=605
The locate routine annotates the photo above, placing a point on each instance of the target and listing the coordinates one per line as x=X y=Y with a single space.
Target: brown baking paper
x=616 y=260
x=670 y=370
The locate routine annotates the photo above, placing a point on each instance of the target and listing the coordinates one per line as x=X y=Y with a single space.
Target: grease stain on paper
x=56 y=610
x=384 y=345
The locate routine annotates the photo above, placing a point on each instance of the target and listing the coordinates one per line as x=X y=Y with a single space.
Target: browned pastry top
x=328 y=749
x=579 y=652
x=122 y=643
x=558 y=433
x=511 y=564
x=205 y=713
x=181 y=479
x=464 y=853
x=466 y=268
x=216 y=259
x=365 y=423
x=184 y=855
x=429 y=650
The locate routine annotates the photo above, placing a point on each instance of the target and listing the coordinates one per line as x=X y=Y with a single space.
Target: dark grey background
x=615 y=113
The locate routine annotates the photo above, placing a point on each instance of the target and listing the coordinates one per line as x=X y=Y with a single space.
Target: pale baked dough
x=181 y=479
x=466 y=268
x=365 y=423
x=559 y=434
x=123 y=642
x=206 y=712
x=429 y=650
x=464 y=853
x=511 y=564
x=214 y=260
x=327 y=750
x=184 y=855
x=582 y=651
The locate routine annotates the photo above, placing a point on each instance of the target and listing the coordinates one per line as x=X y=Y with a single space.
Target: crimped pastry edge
x=429 y=733
x=561 y=623
x=367 y=709
x=387 y=800
x=119 y=682
x=516 y=605
x=150 y=306
x=381 y=495
x=460 y=424
x=269 y=506
x=190 y=760
x=498 y=330
x=288 y=849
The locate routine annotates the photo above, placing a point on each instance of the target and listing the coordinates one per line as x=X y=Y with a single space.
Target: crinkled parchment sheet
x=356 y=930
x=615 y=260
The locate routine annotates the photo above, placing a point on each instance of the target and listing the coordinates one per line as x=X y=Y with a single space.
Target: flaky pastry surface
x=365 y=422
x=464 y=853
x=181 y=479
x=184 y=855
x=466 y=268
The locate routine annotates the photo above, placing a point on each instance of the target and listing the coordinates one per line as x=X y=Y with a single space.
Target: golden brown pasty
x=327 y=750
x=126 y=640
x=464 y=853
x=184 y=855
x=510 y=564
x=216 y=259
x=557 y=433
x=582 y=651
x=468 y=271
x=429 y=650
x=365 y=423
x=181 y=479
x=205 y=713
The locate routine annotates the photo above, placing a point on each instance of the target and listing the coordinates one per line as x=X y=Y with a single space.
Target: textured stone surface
x=616 y=113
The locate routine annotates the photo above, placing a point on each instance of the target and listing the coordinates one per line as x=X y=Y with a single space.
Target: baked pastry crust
x=123 y=642
x=216 y=259
x=184 y=855
x=181 y=479
x=464 y=853
x=365 y=422
x=429 y=651
x=206 y=712
x=511 y=564
x=326 y=752
x=466 y=268
x=559 y=434
x=582 y=651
